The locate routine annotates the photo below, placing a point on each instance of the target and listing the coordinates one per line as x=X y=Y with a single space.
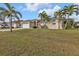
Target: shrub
x=35 y=27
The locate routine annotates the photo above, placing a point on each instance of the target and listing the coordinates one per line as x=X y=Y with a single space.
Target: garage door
x=26 y=25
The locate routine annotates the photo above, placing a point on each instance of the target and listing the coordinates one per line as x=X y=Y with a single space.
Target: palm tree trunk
x=67 y=24
x=11 y=24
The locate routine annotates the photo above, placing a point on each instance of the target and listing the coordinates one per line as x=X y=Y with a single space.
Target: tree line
x=62 y=14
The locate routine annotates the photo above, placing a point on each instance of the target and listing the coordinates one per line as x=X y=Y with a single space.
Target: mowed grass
x=39 y=42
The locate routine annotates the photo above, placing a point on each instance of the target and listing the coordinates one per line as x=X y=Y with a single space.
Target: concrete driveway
x=4 y=30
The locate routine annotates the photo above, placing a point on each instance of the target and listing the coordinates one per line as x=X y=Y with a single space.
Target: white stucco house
x=31 y=23
x=54 y=24
x=25 y=24
x=22 y=24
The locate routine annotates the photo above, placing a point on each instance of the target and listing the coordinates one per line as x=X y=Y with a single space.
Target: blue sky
x=31 y=10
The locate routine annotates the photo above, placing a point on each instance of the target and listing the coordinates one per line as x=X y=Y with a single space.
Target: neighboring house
x=3 y=24
x=77 y=24
x=25 y=24
x=53 y=24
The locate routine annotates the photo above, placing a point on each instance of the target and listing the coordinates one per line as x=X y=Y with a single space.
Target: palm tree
x=58 y=14
x=69 y=23
x=41 y=16
x=68 y=11
x=11 y=13
x=44 y=17
x=3 y=15
x=76 y=9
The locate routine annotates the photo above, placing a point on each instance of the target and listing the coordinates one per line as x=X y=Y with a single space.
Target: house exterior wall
x=38 y=23
x=15 y=25
x=54 y=25
x=60 y=24
x=25 y=25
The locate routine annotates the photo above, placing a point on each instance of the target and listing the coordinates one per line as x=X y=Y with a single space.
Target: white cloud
x=35 y=6
x=56 y=8
x=76 y=3
x=49 y=11
x=76 y=18
x=32 y=7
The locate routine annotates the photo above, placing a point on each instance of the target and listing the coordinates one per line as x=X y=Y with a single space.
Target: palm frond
x=2 y=9
x=19 y=14
x=17 y=17
x=8 y=6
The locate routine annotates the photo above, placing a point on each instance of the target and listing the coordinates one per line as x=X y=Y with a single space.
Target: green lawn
x=39 y=42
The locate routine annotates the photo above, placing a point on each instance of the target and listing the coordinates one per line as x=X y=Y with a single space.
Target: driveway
x=4 y=30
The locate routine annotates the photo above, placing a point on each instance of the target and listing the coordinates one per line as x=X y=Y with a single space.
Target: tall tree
x=44 y=17
x=68 y=11
x=58 y=14
x=11 y=13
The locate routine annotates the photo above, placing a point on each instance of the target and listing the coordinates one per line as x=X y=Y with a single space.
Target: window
x=53 y=23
